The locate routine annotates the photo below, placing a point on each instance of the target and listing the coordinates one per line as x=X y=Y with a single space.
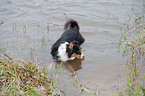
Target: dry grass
x=26 y=80
x=133 y=45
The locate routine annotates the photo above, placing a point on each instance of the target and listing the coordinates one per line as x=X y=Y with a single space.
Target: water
x=31 y=27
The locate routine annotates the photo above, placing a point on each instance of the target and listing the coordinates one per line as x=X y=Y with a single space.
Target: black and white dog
x=67 y=47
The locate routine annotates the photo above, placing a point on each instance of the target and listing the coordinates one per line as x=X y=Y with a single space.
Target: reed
x=133 y=45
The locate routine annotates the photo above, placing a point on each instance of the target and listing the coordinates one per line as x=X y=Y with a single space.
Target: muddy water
x=30 y=27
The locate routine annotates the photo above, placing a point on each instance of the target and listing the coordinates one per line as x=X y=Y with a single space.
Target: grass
x=25 y=80
x=58 y=67
x=89 y=91
x=133 y=45
x=1 y=22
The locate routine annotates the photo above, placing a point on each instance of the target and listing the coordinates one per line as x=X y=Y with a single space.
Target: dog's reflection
x=74 y=65
x=71 y=65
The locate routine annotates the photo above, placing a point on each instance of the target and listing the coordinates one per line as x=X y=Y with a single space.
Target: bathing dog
x=67 y=47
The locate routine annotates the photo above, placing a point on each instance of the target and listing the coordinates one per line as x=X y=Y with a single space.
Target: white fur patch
x=82 y=56
x=72 y=58
x=62 y=52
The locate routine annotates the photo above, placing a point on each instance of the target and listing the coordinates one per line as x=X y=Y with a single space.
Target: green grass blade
x=127 y=76
x=58 y=68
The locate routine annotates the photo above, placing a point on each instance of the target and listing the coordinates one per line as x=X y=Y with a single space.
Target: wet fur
x=71 y=34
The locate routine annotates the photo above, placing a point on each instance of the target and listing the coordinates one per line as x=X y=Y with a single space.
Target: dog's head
x=74 y=50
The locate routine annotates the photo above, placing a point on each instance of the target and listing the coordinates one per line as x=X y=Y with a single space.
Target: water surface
x=31 y=27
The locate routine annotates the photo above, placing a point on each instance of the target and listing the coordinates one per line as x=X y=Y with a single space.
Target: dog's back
x=72 y=33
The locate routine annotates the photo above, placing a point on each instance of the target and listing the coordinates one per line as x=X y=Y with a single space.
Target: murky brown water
x=31 y=27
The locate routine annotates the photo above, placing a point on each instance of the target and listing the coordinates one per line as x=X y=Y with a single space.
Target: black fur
x=71 y=34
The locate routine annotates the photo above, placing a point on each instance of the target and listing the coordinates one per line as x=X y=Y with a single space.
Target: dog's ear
x=74 y=44
x=71 y=45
